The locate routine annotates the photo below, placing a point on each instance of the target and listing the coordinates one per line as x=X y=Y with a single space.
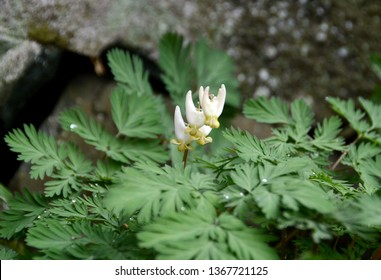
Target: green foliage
x=175 y=62
x=302 y=193
x=211 y=67
x=375 y=60
x=5 y=194
x=79 y=239
x=361 y=216
x=116 y=148
x=265 y=110
x=297 y=122
x=37 y=148
x=366 y=124
x=129 y=72
x=197 y=235
x=23 y=210
x=135 y=116
x=249 y=147
x=7 y=254
x=326 y=135
x=154 y=192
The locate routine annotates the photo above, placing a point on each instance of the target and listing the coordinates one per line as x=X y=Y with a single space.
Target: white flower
x=183 y=137
x=203 y=132
x=195 y=116
x=201 y=120
x=196 y=122
x=212 y=106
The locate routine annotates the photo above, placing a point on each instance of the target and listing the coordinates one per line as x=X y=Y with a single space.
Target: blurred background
x=52 y=53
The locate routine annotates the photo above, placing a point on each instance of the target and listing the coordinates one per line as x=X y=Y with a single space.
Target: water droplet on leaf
x=226 y=196
x=315 y=155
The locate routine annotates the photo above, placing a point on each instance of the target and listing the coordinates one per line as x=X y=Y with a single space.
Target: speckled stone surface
x=292 y=49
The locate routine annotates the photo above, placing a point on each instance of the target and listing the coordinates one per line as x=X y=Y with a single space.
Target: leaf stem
x=185 y=157
x=336 y=163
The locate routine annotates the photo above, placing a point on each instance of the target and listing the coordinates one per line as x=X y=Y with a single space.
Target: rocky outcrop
x=307 y=49
x=24 y=68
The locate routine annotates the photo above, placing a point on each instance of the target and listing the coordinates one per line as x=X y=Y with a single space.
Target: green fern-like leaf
x=5 y=194
x=340 y=186
x=38 y=148
x=23 y=210
x=118 y=149
x=273 y=186
x=269 y=202
x=144 y=150
x=361 y=152
x=7 y=254
x=92 y=132
x=302 y=120
x=361 y=216
x=346 y=108
x=69 y=178
x=326 y=135
x=175 y=62
x=265 y=110
x=69 y=209
x=129 y=72
x=376 y=64
x=135 y=116
x=80 y=240
x=369 y=171
x=246 y=177
x=153 y=194
x=204 y=236
x=305 y=193
x=367 y=125
x=373 y=111
x=249 y=147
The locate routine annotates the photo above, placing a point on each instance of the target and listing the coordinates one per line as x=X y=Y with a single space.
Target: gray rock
x=307 y=48
x=24 y=68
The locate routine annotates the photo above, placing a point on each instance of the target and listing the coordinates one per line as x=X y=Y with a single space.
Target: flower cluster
x=201 y=119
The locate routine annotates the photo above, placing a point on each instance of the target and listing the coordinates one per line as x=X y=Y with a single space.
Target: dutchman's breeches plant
x=201 y=120
x=304 y=192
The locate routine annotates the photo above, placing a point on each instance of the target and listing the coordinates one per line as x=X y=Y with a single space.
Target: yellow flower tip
x=212 y=121
x=174 y=141
x=192 y=130
x=181 y=146
x=204 y=140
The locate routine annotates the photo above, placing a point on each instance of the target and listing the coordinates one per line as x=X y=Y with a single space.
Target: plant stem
x=185 y=157
x=336 y=163
x=336 y=241
x=285 y=239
